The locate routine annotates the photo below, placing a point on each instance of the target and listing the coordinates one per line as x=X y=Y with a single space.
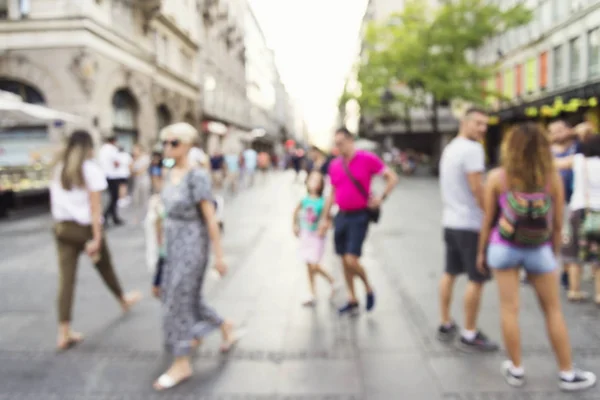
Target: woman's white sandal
x=165 y=382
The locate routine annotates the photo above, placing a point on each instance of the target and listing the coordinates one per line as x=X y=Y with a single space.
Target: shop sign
x=549 y=111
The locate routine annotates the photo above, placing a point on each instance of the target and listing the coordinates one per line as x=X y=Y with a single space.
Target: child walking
x=306 y=220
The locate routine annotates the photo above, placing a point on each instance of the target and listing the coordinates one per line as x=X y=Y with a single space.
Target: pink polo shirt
x=363 y=166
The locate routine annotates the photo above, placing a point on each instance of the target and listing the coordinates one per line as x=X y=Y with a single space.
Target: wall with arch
x=83 y=82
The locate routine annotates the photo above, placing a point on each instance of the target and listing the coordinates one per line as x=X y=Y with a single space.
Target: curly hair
x=526 y=157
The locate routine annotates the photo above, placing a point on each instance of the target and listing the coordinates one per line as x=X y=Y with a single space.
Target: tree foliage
x=431 y=51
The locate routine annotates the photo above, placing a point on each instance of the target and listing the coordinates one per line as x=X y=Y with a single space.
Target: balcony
x=149 y=7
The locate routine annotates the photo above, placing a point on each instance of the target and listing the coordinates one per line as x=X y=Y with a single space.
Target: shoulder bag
x=374 y=213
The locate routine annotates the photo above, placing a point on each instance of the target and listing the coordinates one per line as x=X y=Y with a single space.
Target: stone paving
x=288 y=352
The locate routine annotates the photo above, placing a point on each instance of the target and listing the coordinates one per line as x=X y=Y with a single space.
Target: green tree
x=429 y=52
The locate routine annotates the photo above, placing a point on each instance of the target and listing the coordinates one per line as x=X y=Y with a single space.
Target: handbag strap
x=354 y=181
x=190 y=186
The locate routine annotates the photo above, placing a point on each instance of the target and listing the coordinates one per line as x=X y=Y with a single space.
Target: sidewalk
x=288 y=352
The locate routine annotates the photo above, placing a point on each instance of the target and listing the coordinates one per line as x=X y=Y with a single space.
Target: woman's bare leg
x=547 y=290
x=508 y=289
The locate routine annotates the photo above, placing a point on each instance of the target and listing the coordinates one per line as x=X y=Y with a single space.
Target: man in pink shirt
x=351 y=176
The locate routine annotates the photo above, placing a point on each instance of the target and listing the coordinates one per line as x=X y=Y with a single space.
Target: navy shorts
x=350 y=232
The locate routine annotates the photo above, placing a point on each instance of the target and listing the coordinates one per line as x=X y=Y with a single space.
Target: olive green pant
x=71 y=239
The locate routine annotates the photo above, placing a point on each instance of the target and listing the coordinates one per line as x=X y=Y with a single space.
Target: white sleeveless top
x=580 y=186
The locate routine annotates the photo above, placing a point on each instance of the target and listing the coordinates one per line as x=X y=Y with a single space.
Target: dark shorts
x=574 y=249
x=461 y=254
x=350 y=232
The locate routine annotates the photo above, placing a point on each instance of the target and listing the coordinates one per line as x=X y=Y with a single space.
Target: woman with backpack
x=522 y=228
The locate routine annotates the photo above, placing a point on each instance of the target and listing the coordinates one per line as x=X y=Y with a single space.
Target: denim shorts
x=350 y=232
x=538 y=260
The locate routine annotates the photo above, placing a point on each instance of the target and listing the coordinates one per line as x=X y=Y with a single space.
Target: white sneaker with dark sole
x=581 y=381
x=510 y=378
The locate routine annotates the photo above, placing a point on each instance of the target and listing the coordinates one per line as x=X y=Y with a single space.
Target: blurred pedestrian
x=312 y=245
x=75 y=195
x=155 y=170
x=581 y=244
x=351 y=177
x=462 y=166
x=250 y=161
x=232 y=171
x=189 y=226
x=522 y=228
x=142 y=184
x=110 y=163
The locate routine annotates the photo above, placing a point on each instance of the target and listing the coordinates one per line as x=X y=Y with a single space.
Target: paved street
x=288 y=352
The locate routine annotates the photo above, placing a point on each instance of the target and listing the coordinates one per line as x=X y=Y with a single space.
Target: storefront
x=576 y=105
x=26 y=149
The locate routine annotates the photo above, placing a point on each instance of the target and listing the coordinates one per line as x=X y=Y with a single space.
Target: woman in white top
x=141 y=179
x=75 y=194
x=578 y=250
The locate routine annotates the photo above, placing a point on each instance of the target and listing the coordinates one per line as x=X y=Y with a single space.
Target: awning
x=15 y=112
x=215 y=127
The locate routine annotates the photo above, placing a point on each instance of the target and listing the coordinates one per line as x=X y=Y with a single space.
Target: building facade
x=262 y=80
x=223 y=68
x=126 y=67
x=547 y=68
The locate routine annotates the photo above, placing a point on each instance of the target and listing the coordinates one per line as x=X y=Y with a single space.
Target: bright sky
x=315 y=44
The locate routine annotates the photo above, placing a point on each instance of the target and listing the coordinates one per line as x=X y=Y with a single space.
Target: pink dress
x=312 y=246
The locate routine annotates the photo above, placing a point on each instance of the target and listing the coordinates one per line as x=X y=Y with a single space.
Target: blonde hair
x=78 y=150
x=183 y=131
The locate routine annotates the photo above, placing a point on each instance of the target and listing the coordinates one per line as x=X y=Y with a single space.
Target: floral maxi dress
x=185 y=314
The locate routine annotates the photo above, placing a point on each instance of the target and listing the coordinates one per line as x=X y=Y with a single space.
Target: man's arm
x=476 y=184
x=391 y=180
x=474 y=163
x=326 y=215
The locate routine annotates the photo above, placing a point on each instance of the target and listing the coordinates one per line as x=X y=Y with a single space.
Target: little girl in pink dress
x=306 y=222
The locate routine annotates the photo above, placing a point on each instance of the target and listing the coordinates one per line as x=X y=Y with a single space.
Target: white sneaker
x=510 y=378
x=581 y=381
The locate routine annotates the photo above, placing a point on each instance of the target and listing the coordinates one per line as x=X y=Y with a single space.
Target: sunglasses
x=172 y=143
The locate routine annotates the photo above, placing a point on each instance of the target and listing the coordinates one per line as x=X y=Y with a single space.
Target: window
x=575 y=59
x=162 y=49
x=546 y=17
x=558 y=66
x=594 y=52
x=560 y=10
x=186 y=64
x=543 y=75
x=3 y=9
x=122 y=18
x=531 y=76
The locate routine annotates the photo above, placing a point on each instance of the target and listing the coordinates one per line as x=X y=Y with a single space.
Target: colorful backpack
x=525 y=218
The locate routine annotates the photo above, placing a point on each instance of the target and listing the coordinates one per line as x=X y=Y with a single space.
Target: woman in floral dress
x=188 y=228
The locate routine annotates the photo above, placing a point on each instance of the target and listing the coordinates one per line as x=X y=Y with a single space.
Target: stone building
x=125 y=66
x=223 y=65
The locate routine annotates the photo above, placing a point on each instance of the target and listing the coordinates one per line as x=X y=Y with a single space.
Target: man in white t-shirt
x=109 y=161
x=462 y=166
